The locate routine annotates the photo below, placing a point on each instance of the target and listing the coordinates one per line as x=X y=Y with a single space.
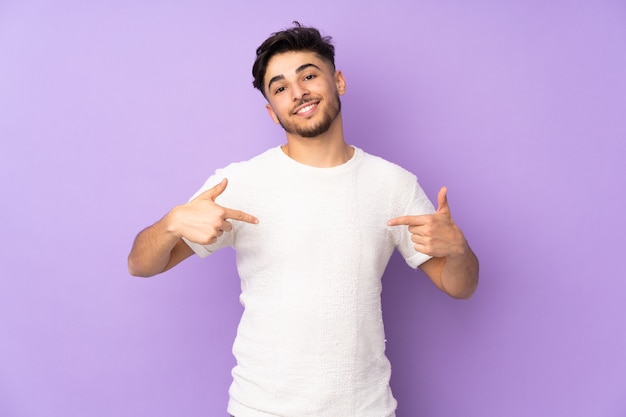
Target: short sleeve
x=418 y=204
x=224 y=240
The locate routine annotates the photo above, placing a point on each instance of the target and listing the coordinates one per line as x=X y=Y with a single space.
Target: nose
x=299 y=92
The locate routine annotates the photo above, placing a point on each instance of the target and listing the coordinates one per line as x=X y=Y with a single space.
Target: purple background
x=113 y=112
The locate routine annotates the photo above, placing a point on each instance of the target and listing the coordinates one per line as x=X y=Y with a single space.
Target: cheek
x=322 y=87
x=282 y=105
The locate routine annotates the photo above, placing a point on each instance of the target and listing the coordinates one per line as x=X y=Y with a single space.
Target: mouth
x=306 y=108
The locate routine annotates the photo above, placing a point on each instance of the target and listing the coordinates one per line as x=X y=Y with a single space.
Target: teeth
x=306 y=109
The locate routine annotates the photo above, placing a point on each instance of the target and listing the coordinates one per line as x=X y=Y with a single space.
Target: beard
x=329 y=116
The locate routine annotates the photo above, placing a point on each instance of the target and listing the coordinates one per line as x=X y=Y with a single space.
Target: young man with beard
x=314 y=223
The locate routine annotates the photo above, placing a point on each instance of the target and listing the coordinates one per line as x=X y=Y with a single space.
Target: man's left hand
x=435 y=234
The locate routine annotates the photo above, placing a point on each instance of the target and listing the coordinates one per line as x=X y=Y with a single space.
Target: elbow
x=467 y=292
x=464 y=291
x=463 y=295
x=136 y=271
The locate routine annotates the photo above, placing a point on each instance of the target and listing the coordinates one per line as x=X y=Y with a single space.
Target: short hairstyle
x=296 y=38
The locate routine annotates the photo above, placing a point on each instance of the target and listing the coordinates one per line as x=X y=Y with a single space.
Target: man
x=314 y=223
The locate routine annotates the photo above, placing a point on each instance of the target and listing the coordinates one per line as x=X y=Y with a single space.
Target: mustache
x=303 y=101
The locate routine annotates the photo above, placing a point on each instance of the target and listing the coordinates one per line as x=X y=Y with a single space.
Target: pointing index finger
x=240 y=216
x=407 y=221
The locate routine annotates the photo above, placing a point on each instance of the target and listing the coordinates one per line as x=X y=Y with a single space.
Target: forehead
x=286 y=63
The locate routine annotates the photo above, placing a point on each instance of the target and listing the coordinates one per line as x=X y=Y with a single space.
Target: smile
x=307 y=108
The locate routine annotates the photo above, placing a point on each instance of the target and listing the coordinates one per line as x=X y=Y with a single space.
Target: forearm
x=152 y=249
x=459 y=275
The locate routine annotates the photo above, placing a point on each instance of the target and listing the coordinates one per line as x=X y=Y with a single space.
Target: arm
x=156 y=249
x=456 y=275
x=160 y=246
x=454 y=266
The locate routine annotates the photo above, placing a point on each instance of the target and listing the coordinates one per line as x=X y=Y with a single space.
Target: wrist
x=171 y=222
x=459 y=250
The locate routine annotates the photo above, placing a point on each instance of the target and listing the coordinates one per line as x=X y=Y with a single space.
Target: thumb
x=442 y=200
x=213 y=193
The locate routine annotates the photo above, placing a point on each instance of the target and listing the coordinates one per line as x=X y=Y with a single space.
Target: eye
x=279 y=90
x=309 y=77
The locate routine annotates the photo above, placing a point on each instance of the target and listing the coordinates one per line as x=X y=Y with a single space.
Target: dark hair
x=297 y=38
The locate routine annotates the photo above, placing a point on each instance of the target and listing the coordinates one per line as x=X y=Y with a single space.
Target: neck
x=324 y=151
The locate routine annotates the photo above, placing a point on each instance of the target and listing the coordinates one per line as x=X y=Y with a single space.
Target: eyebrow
x=298 y=70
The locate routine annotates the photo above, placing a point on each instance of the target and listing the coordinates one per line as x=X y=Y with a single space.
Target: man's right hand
x=202 y=220
x=159 y=247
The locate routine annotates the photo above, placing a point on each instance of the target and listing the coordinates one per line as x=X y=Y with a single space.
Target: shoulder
x=267 y=158
x=392 y=182
x=386 y=170
x=239 y=173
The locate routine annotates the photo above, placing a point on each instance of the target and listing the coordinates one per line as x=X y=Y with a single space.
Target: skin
x=289 y=88
x=454 y=266
x=160 y=247
x=303 y=93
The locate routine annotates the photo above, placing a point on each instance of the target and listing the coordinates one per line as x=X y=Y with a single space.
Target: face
x=303 y=93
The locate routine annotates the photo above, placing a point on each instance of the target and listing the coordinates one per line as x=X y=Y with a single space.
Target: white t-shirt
x=311 y=340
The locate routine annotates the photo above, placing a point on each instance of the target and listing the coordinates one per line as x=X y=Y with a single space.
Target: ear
x=270 y=111
x=340 y=82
